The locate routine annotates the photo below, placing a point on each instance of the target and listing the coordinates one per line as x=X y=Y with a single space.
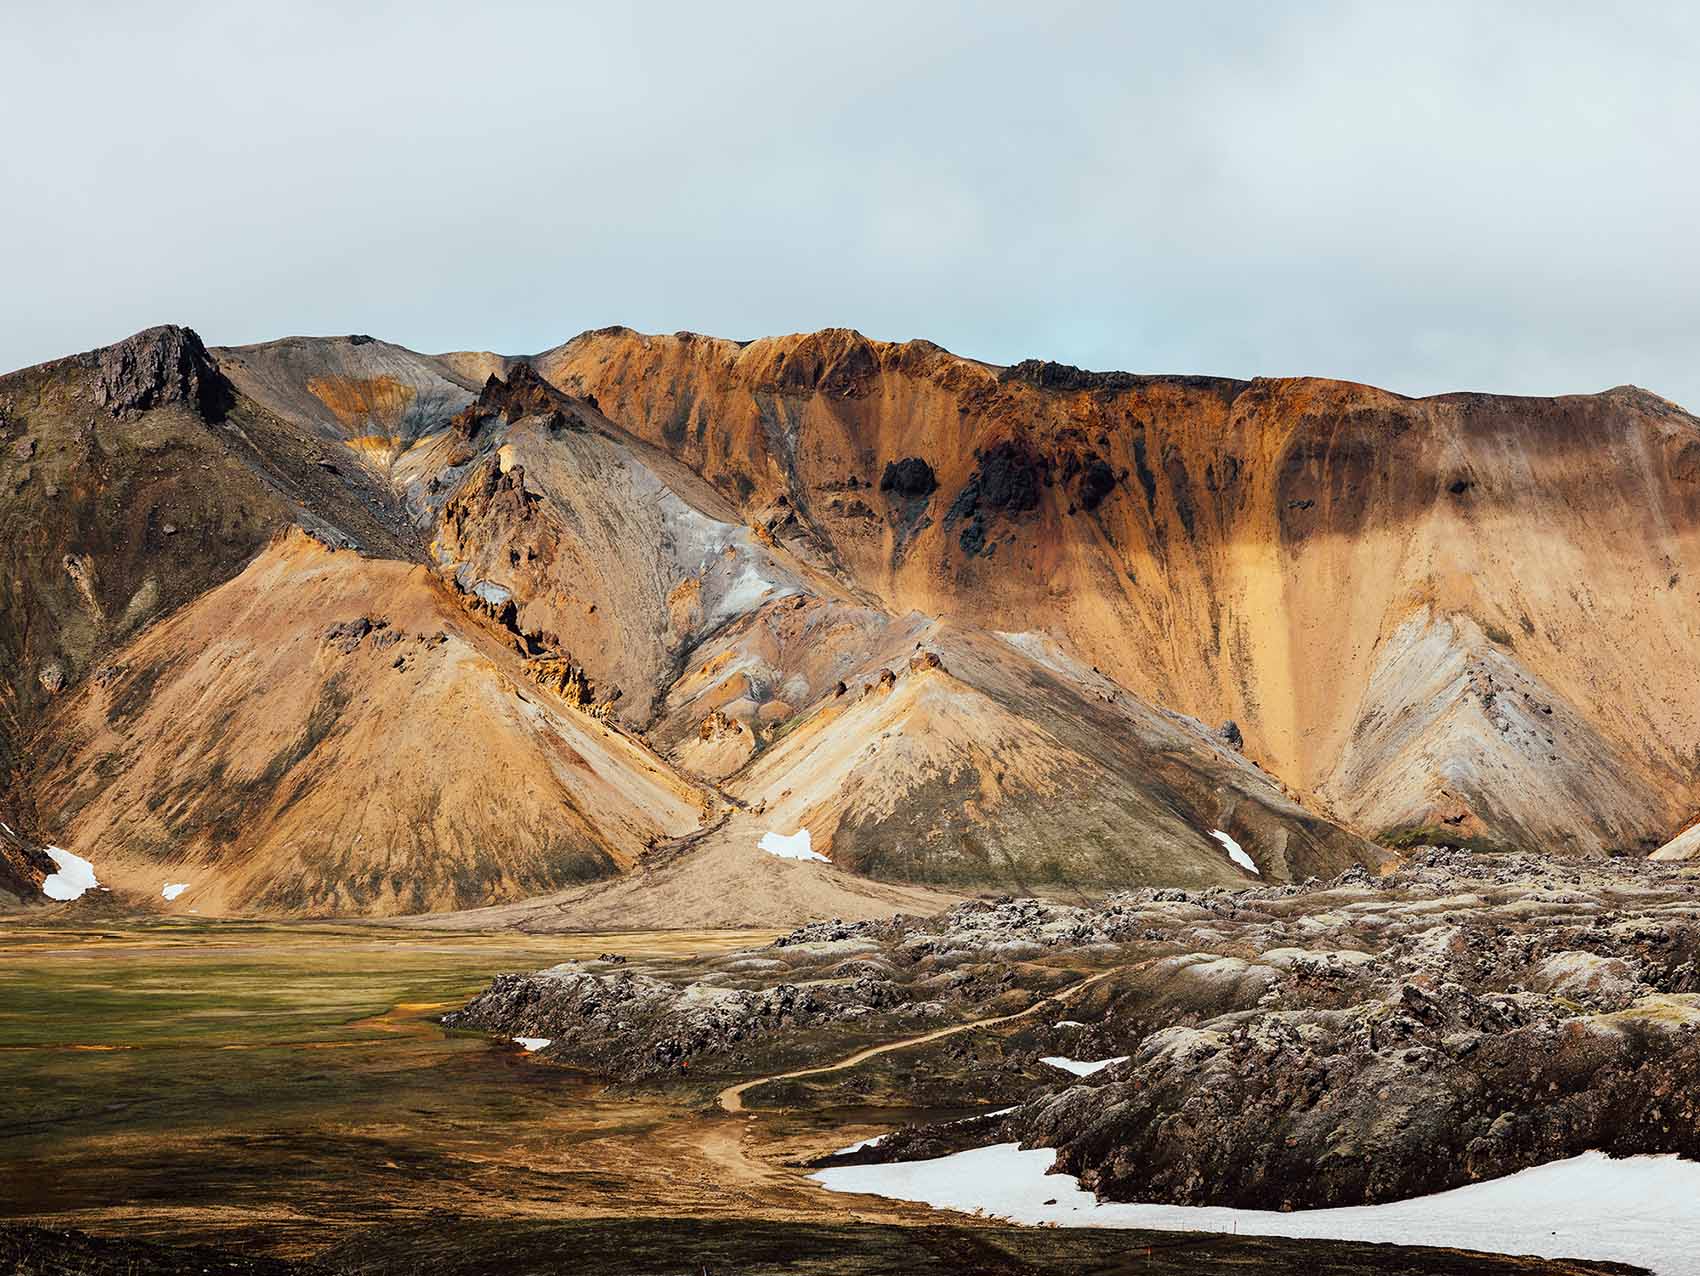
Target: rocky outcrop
x=23 y=864
x=523 y=394
x=158 y=366
x=717 y=726
x=567 y=679
x=1006 y=482
x=1047 y=375
x=911 y=478
x=1365 y=1040
x=346 y=635
x=632 y=1025
x=826 y=977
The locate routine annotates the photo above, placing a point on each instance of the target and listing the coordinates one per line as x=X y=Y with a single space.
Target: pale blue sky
x=1436 y=197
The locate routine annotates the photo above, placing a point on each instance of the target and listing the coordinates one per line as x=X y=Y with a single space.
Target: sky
x=1426 y=197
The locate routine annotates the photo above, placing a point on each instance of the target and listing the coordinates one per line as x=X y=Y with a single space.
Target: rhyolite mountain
x=328 y=626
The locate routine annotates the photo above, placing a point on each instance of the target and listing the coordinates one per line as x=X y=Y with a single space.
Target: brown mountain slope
x=961 y=624
x=558 y=651
x=1318 y=561
x=962 y=758
x=718 y=639
x=328 y=733
x=132 y=479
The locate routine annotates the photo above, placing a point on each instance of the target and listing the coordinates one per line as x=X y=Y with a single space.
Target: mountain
x=324 y=625
x=1468 y=614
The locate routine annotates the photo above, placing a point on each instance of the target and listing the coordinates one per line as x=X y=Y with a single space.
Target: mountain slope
x=133 y=479
x=464 y=631
x=1251 y=550
x=387 y=761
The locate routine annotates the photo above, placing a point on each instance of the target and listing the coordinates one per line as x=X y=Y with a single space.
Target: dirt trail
x=731 y=1099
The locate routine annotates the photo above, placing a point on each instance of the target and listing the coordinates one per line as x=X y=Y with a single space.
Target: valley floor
x=285 y=1095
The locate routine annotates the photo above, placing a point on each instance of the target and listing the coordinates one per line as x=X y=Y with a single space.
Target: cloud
x=1452 y=196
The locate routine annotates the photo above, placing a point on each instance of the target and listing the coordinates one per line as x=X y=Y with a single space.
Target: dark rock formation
x=1377 y=1038
x=1065 y=376
x=522 y=395
x=1229 y=734
x=1007 y=482
x=346 y=635
x=910 y=477
x=1097 y=480
x=636 y=1025
x=1010 y=476
x=1046 y=375
x=160 y=365
x=23 y=864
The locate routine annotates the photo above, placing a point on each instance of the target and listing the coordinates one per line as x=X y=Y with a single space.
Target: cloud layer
x=1473 y=197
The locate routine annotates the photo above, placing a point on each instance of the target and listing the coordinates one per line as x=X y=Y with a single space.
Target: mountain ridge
x=709 y=539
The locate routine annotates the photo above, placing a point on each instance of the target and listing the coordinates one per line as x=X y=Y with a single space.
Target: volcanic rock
x=159 y=366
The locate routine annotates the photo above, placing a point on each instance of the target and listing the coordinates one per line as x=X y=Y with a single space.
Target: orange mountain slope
x=1470 y=612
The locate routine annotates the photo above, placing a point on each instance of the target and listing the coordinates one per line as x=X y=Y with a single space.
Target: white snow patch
x=750 y=590
x=1638 y=1210
x=1236 y=852
x=1070 y=1023
x=75 y=875
x=533 y=1043
x=795 y=847
x=1082 y=1068
x=172 y=890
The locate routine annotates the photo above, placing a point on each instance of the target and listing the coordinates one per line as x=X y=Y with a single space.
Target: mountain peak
x=164 y=364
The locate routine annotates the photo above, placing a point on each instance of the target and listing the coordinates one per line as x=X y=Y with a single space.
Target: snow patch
x=1638 y=1210
x=1082 y=1068
x=173 y=889
x=750 y=590
x=533 y=1043
x=1236 y=852
x=487 y=591
x=1070 y=1023
x=795 y=847
x=75 y=876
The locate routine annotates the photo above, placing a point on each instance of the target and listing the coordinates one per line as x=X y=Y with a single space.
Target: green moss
x=1409 y=836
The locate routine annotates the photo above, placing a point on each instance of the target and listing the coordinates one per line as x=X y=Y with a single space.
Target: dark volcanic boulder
x=910 y=477
x=1097 y=480
x=1010 y=476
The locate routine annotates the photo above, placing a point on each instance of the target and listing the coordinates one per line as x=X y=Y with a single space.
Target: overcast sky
x=1497 y=197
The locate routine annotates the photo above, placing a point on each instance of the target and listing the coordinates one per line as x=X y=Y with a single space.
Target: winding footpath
x=731 y=1099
